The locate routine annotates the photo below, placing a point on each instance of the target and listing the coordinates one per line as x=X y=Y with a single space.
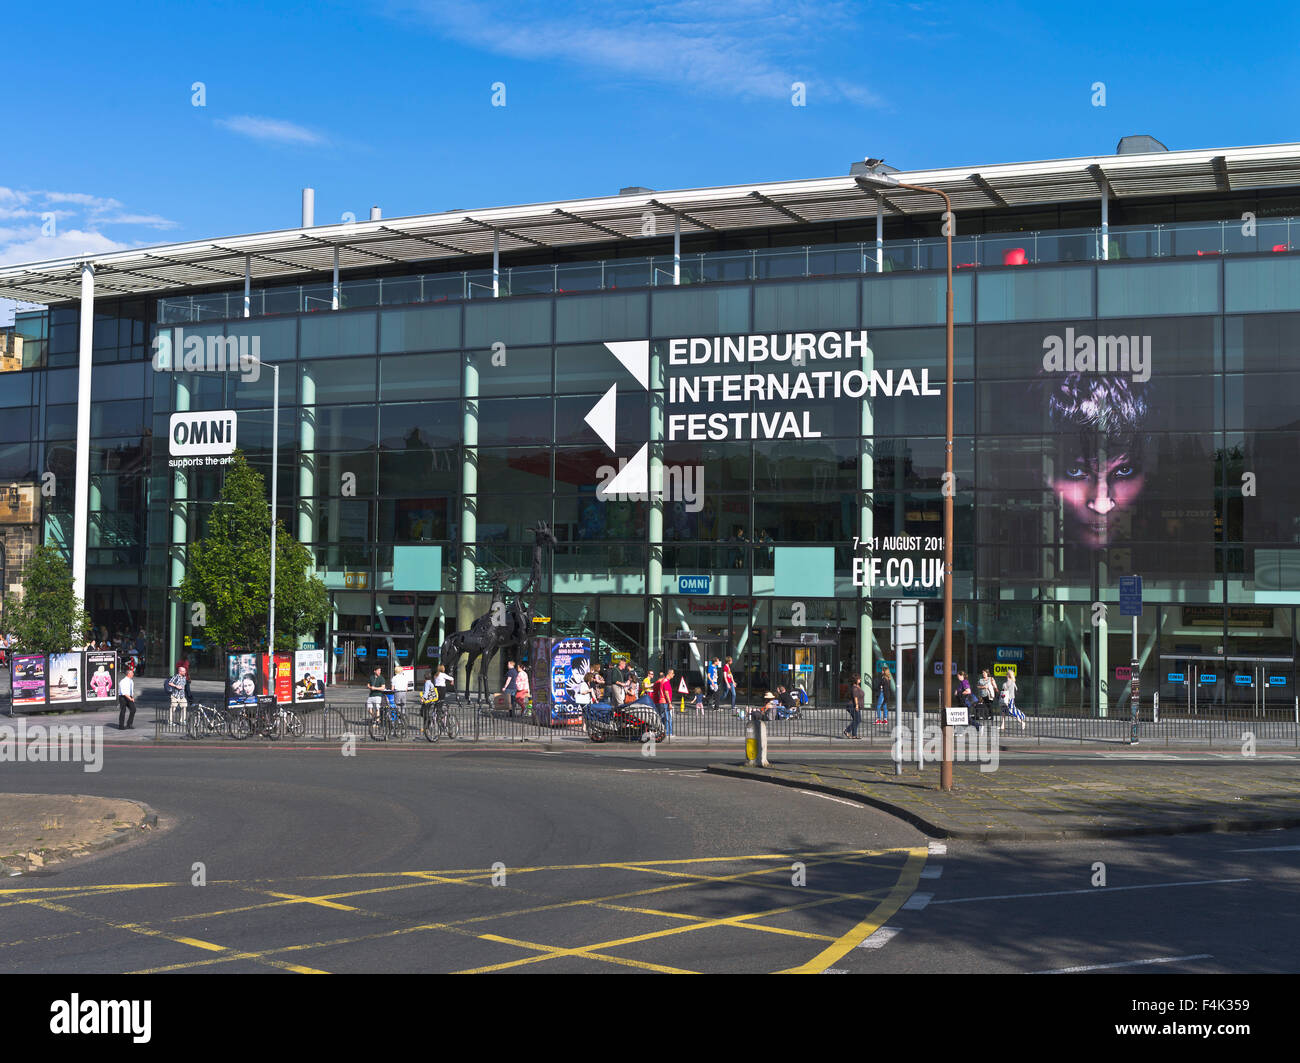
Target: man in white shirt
x=400 y=684
x=126 y=700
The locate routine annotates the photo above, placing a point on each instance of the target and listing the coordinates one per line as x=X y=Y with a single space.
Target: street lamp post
x=275 y=467
x=949 y=480
x=275 y=483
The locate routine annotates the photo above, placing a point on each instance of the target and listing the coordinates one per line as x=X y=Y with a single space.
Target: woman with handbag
x=965 y=697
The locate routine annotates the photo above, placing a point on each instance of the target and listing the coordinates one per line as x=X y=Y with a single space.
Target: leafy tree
x=228 y=571
x=48 y=618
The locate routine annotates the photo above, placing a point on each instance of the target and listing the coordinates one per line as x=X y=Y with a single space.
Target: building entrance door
x=688 y=654
x=1236 y=687
x=810 y=661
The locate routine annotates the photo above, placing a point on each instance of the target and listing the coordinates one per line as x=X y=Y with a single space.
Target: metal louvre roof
x=456 y=234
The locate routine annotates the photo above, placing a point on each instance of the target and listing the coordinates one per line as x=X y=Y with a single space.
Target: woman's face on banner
x=1098 y=491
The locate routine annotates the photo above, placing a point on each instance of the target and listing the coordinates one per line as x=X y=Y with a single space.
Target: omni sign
x=202 y=434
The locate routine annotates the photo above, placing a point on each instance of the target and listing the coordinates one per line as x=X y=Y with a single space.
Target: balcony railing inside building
x=1049 y=247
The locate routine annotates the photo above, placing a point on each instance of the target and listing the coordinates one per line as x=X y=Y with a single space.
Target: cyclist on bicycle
x=375 y=693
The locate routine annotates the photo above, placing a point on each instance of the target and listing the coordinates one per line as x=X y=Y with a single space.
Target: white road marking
x=1126 y=963
x=882 y=937
x=834 y=970
x=917 y=901
x=828 y=797
x=1269 y=849
x=938 y=848
x=1094 y=891
x=932 y=871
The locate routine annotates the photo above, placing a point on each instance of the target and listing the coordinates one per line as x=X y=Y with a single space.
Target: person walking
x=729 y=684
x=508 y=691
x=884 y=694
x=1009 y=696
x=988 y=691
x=857 y=700
x=522 y=690
x=711 y=674
x=665 y=699
x=963 y=695
x=126 y=700
x=178 y=695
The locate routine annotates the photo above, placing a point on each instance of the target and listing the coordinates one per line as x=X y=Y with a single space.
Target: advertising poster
x=284 y=678
x=570 y=663
x=66 y=677
x=243 y=679
x=101 y=677
x=308 y=676
x=29 y=679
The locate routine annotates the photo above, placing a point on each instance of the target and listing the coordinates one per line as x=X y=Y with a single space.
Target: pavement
x=1025 y=801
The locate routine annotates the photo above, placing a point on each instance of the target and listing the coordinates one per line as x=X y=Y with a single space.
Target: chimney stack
x=375 y=214
x=308 y=207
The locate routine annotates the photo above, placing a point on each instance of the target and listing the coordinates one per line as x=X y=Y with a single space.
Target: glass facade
x=1113 y=418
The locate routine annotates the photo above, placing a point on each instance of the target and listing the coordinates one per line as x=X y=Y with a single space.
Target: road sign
x=1130 y=596
x=907 y=622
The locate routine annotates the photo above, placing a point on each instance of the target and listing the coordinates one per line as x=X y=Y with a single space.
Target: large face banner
x=1098 y=424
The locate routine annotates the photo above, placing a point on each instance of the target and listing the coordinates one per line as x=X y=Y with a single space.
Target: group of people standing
x=989 y=703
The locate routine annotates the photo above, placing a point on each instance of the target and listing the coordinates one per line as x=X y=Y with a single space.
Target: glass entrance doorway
x=1240 y=687
x=810 y=661
x=688 y=654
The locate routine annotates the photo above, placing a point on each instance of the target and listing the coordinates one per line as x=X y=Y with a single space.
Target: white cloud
x=154 y=221
x=69 y=243
x=270 y=129
x=750 y=49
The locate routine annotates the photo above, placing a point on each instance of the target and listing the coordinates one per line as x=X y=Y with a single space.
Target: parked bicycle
x=272 y=721
x=390 y=723
x=205 y=720
x=438 y=720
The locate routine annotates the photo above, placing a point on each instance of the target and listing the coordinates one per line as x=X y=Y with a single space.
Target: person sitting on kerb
x=1099 y=471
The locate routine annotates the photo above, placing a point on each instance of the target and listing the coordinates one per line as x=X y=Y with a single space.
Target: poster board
x=100 y=677
x=67 y=678
x=244 y=680
x=308 y=677
x=27 y=680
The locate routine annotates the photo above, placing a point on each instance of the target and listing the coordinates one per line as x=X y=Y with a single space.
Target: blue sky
x=390 y=103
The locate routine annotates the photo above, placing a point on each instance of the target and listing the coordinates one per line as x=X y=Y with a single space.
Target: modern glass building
x=771 y=359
